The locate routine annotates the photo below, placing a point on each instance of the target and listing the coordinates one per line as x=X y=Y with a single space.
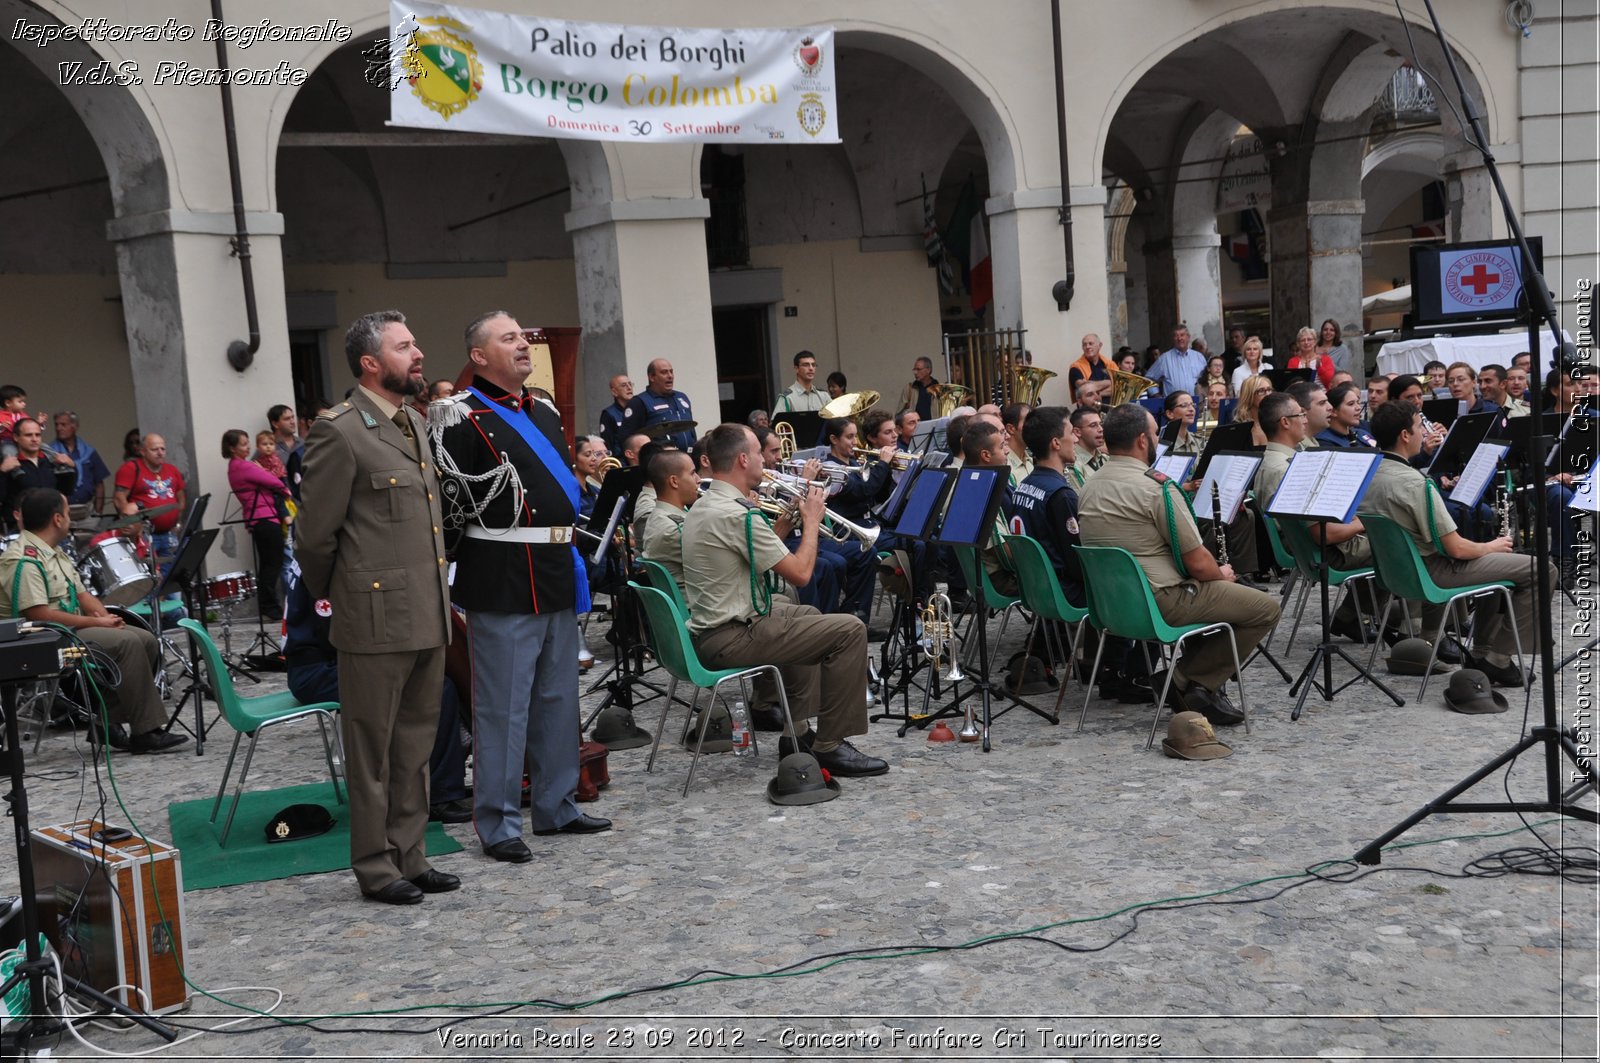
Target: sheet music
x=1479 y=472
x=1233 y=475
x=1175 y=466
x=1161 y=452
x=1586 y=491
x=1324 y=484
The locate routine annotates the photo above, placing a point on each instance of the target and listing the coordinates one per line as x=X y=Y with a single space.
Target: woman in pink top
x=258 y=492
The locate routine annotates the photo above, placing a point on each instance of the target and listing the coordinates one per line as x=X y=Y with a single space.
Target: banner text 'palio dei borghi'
x=492 y=72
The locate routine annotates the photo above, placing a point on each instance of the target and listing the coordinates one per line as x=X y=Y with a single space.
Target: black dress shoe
x=584 y=824
x=787 y=745
x=432 y=881
x=1213 y=705
x=510 y=851
x=847 y=761
x=1450 y=651
x=398 y=892
x=766 y=718
x=1500 y=676
x=116 y=738
x=157 y=741
x=457 y=811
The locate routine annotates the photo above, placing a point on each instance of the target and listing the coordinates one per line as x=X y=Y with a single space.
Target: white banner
x=492 y=72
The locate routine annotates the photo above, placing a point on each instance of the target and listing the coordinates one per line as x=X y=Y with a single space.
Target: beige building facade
x=123 y=290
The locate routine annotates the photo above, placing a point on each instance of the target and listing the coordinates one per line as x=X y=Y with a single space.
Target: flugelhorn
x=939 y=636
x=1030 y=380
x=901 y=460
x=788 y=491
x=1125 y=387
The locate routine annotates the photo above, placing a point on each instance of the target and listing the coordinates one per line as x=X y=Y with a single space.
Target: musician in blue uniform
x=658 y=403
x=510 y=504
x=858 y=495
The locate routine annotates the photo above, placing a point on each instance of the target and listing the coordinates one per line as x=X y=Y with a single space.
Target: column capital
x=637 y=210
x=1044 y=199
x=203 y=222
x=1472 y=159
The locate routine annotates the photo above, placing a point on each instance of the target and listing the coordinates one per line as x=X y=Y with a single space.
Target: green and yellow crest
x=442 y=66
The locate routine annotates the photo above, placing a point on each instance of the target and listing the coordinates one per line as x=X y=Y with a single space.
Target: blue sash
x=523 y=425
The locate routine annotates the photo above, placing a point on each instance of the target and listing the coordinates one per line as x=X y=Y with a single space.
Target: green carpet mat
x=249 y=857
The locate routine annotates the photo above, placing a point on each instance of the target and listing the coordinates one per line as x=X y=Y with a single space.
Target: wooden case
x=99 y=906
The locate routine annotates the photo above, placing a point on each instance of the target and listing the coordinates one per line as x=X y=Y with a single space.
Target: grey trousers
x=388 y=716
x=524 y=710
x=823 y=660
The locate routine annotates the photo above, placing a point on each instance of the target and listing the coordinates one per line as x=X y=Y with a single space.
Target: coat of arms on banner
x=442 y=66
x=808 y=56
x=812 y=114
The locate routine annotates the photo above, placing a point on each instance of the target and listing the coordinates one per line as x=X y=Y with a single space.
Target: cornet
x=939 y=636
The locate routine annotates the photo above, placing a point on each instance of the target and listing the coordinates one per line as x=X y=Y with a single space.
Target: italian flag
x=980 y=269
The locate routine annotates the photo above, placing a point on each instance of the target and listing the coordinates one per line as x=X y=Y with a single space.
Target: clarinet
x=1217 y=526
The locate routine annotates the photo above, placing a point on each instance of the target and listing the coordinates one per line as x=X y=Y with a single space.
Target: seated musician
x=1400 y=492
x=1044 y=506
x=1179 y=409
x=677 y=487
x=842 y=569
x=38 y=581
x=728 y=548
x=1130 y=505
x=1088 y=444
x=857 y=496
x=984 y=444
x=1284 y=422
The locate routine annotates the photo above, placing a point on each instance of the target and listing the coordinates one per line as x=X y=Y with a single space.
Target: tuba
x=1030 y=380
x=946 y=397
x=1125 y=387
x=853 y=405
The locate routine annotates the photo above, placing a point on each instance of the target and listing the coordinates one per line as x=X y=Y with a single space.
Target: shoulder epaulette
x=337 y=411
x=1158 y=476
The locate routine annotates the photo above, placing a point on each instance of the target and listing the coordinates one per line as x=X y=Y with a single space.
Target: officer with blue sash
x=510 y=503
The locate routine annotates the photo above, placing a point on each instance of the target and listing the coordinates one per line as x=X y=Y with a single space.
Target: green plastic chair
x=1043 y=597
x=1283 y=560
x=977 y=578
x=1124 y=605
x=251 y=716
x=1400 y=571
x=669 y=640
x=662 y=580
x=1306 y=555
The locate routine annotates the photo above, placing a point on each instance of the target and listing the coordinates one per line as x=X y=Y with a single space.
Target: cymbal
x=138 y=515
x=667 y=428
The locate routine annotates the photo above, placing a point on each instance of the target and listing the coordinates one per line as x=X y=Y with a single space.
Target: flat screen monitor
x=1469 y=283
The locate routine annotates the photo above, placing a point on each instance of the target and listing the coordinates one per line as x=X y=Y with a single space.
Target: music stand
x=185 y=573
x=807 y=427
x=1441 y=412
x=620 y=491
x=968 y=519
x=915 y=505
x=1284 y=379
x=1462 y=438
x=1325 y=487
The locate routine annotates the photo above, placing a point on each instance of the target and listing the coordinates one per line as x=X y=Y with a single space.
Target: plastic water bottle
x=740 y=716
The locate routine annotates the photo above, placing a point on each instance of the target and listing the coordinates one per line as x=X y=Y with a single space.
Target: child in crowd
x=13 y=408
x=266 y=455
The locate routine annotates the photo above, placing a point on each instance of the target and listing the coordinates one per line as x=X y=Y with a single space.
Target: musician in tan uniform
x=677 y=487
x=369 y=539
x=728 y=548
x=1129 y=504
x=38 y=581
x=1403 y=494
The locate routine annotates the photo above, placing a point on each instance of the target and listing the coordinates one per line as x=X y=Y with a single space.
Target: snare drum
x=115 y=574
x=230 y=587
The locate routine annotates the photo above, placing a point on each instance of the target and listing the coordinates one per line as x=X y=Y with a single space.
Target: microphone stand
x=1550 y=737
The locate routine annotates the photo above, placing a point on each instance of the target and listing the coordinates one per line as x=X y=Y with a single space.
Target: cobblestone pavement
x=987 y=897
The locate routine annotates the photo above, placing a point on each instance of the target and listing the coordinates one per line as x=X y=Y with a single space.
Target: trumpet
x=786 y=493
x=901 y=461
x=833 y=475
x=785 y=433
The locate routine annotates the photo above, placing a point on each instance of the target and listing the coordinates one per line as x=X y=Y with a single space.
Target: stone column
x=1470 y=201
x=1195 y=263
x=183 y=302
x=1316 y=265
x=643 y=293
x=1161 y=288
